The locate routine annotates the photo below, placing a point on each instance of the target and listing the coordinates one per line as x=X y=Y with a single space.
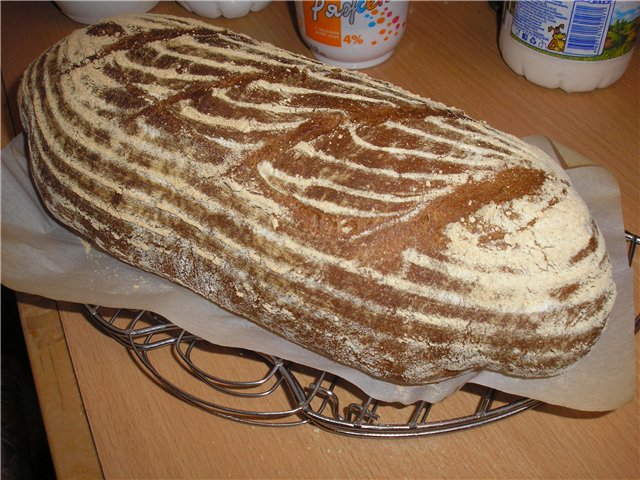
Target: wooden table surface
x=105 y=417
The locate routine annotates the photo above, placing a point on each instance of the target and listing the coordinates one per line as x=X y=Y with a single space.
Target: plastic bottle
x=577 y=46
x=352 y=34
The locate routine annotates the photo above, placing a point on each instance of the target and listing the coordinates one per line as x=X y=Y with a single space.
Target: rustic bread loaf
x=378 y=228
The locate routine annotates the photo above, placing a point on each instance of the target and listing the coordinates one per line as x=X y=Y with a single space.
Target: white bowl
x=92 y=11
x=226 y=8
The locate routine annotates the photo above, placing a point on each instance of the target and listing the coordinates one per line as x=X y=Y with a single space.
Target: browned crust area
x=325 y=206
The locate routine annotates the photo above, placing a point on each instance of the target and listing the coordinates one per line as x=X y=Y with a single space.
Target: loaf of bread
x=378 y=228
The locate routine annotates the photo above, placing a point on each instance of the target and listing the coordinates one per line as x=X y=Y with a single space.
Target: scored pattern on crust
x=376 y=227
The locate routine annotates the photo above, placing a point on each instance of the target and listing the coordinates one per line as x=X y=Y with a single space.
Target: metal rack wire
x=281 y=393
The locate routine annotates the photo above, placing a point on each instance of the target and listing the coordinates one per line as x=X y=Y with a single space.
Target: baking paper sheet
x=41 y=257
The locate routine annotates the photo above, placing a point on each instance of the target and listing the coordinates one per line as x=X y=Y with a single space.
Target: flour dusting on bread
x=384 y=230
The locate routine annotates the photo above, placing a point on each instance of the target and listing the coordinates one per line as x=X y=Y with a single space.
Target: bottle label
x=354 y=23
x=579 y=30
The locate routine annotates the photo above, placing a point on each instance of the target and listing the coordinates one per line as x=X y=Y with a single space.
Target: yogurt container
x=352 y=34
x=577 y=46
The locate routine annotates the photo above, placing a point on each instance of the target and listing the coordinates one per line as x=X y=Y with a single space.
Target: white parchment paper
x=41 y=257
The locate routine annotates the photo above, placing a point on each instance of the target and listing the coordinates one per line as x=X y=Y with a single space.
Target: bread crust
x=381 y=229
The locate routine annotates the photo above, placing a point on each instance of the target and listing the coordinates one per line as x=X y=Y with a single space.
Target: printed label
x=322 y=28
x=580 y=30
x=348 y=24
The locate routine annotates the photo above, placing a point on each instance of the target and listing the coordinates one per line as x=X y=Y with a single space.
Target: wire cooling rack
x=259 y=389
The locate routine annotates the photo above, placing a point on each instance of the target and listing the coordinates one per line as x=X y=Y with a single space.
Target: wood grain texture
x=450 y=54
x=170 y=439
x=7 y=125
x=60 y=402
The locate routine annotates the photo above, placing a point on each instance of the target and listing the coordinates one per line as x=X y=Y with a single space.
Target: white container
x=91 y=11
x=225 y=8
x=577 y=46
x=352 y=34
